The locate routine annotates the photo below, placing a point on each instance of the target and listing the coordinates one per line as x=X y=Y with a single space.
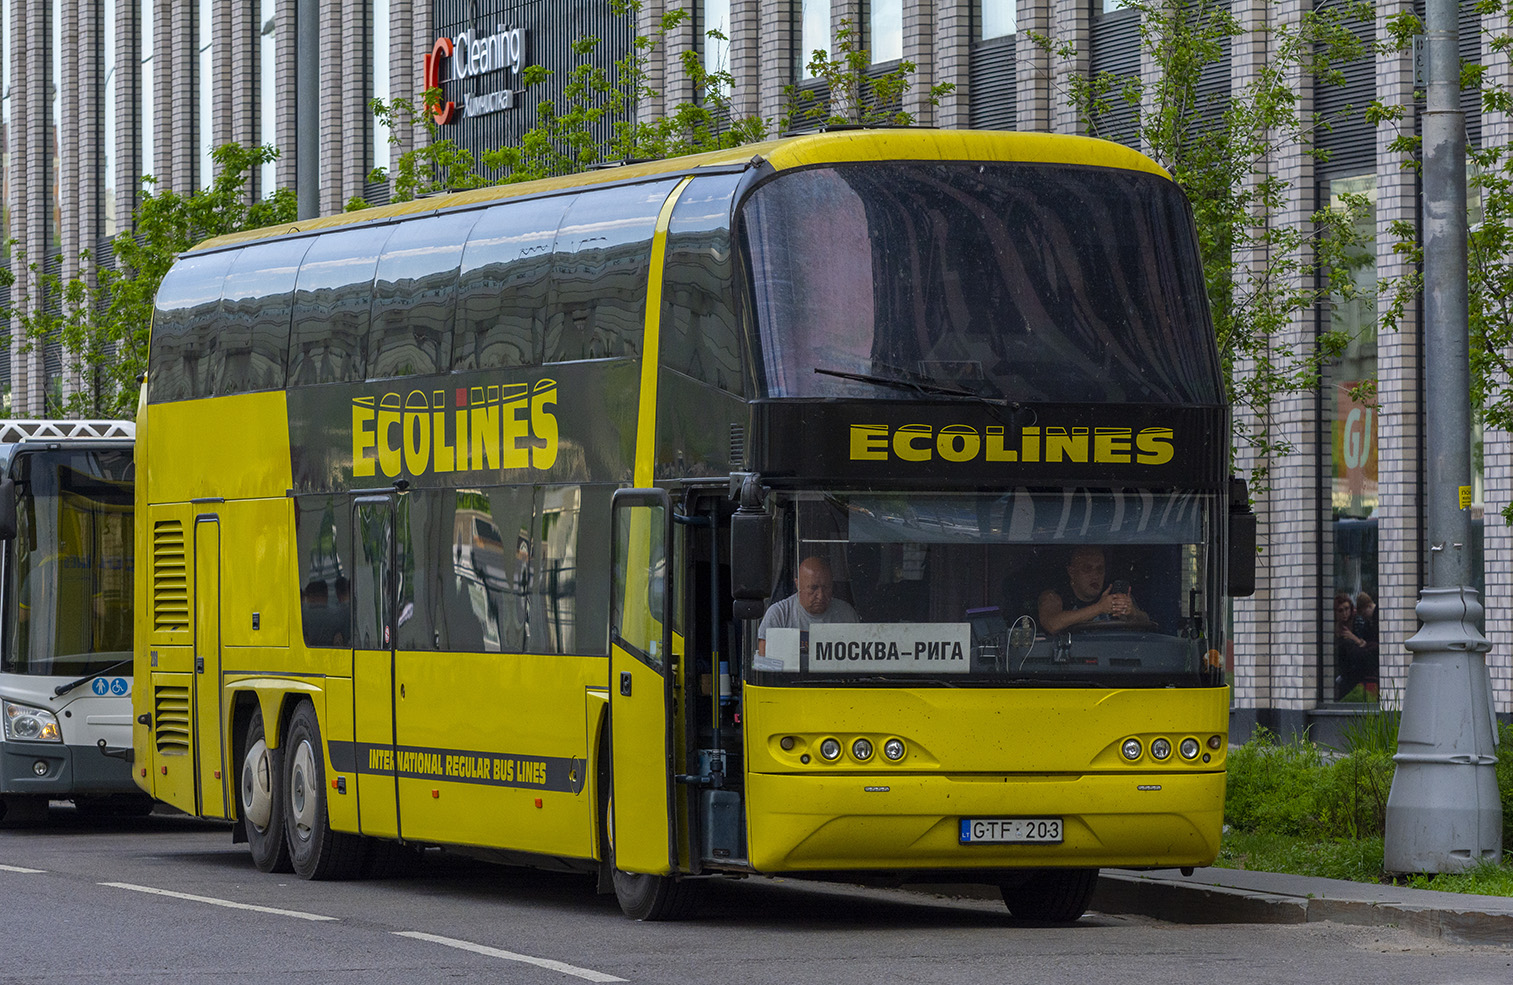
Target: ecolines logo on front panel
x=464 y=429
x=963 y=443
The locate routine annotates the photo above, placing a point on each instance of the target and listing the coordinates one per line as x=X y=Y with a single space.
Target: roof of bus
x=785 y=154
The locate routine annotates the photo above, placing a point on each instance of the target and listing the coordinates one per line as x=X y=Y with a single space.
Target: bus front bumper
x=62 y=771
x=913 y=822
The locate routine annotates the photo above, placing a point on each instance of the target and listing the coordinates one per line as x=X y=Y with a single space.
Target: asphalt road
x=168 y=899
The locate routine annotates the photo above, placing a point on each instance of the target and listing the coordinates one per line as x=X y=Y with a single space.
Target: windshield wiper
x=904 y=383
x=63 y=689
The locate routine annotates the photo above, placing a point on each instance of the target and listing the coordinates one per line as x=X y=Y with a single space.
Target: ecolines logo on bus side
x=485 y=427
x=963 y=443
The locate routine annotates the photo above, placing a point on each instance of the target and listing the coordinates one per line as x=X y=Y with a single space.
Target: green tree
x=571 y=137
x=102 y=318
x=1260 y=272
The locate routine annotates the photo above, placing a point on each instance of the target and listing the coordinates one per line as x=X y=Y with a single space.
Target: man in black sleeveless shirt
x=1085 y=598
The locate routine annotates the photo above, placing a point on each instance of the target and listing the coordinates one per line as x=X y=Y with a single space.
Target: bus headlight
x=894 y=749
x=1161 y=748
x=1131 y=749
x=862 y=749
x=1189 y=748
x=830 y=750
x=30 y=724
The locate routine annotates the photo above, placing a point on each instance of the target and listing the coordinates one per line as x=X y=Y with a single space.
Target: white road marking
x=298 y=915
x=494 y=952
x=17 y=868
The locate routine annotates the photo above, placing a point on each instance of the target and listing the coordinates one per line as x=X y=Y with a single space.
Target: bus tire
x=260 y=793
x=1051 y=895
x=316 y=851
x=22 y=810
x=641 y=897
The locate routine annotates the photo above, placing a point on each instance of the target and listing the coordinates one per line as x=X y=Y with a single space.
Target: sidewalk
x=1214 y=895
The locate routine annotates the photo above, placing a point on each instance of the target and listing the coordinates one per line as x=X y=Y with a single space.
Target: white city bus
x=66 y=562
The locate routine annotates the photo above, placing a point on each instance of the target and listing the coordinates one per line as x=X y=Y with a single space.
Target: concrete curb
x=1205 y=897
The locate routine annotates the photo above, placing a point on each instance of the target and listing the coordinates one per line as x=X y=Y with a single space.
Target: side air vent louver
x=737 y=446
x=170 y=579
x=170 y=720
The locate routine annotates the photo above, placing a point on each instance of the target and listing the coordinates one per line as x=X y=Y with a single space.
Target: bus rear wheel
x=1051 y=895
x=261 y=793
x=316 y=851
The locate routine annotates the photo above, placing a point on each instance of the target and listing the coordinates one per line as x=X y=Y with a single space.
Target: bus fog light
x=40 y=767
x=861 y=749
x=1131 y=749
x=787 y=743
x=1161 y=748
x=894 y=749
x=33 y=724
x=1189 y=748
x=1213 y=741
x=830 y=750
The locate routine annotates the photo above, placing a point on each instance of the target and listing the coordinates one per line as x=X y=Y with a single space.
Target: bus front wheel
x=641 y=897
x=261 y=793
x=316 y=851
x=1051 y=895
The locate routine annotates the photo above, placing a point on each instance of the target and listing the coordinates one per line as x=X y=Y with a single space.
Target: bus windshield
x=986 y=588
x=68 y=572
x=1022 y=282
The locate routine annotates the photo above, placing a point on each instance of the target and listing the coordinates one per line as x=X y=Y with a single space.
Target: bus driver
x=814 y=602
x=1084 y=597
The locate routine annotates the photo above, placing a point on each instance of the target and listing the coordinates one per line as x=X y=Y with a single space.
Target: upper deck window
x=1028 y=282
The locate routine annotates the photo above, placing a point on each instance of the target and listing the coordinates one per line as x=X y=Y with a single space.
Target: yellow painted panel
x=980 y=730
x=336 y=727
x=172 y=768
x=373 y=734
x=233 y=447
x=259 y=578
x=482 y=737
x=883 y=820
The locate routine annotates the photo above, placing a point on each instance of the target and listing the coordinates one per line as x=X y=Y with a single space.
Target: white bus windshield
x=68 y=572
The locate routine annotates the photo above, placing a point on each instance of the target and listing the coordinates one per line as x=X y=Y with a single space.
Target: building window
x=5 y=129
x=886 y=29
x=716 y=49
x=378 y=54
x=207 y=95
x=814 y=34
x=267 y=118
x=995 y=18
x=1351 y=647
x=146 y=90
x=108 y=96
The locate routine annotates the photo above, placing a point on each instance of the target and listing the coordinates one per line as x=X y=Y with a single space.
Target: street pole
x=1443 y=814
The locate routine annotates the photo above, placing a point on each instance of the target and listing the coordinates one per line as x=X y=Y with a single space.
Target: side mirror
x=750 y=551
x=7 y=508
x=1242 y=541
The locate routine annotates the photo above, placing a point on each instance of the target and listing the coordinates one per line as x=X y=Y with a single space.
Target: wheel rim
x=303 y=796
x=257 y=786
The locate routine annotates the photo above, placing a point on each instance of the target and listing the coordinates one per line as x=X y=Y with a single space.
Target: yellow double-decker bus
x=718 y=515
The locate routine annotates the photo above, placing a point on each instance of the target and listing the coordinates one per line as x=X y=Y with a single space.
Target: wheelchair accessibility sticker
x=118 y=686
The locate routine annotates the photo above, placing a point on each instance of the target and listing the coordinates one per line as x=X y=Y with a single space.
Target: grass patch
x=1358 y=860
x=1292 y=807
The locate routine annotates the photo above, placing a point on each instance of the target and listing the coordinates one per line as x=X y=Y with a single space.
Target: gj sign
x=472 y=54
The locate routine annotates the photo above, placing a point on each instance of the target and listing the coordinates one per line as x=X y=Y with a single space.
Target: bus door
x=641 y=683
x=210 y=790
x=374 y=593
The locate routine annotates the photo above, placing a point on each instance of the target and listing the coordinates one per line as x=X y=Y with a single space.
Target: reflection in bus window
x=504 y=284
x=324 y=540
